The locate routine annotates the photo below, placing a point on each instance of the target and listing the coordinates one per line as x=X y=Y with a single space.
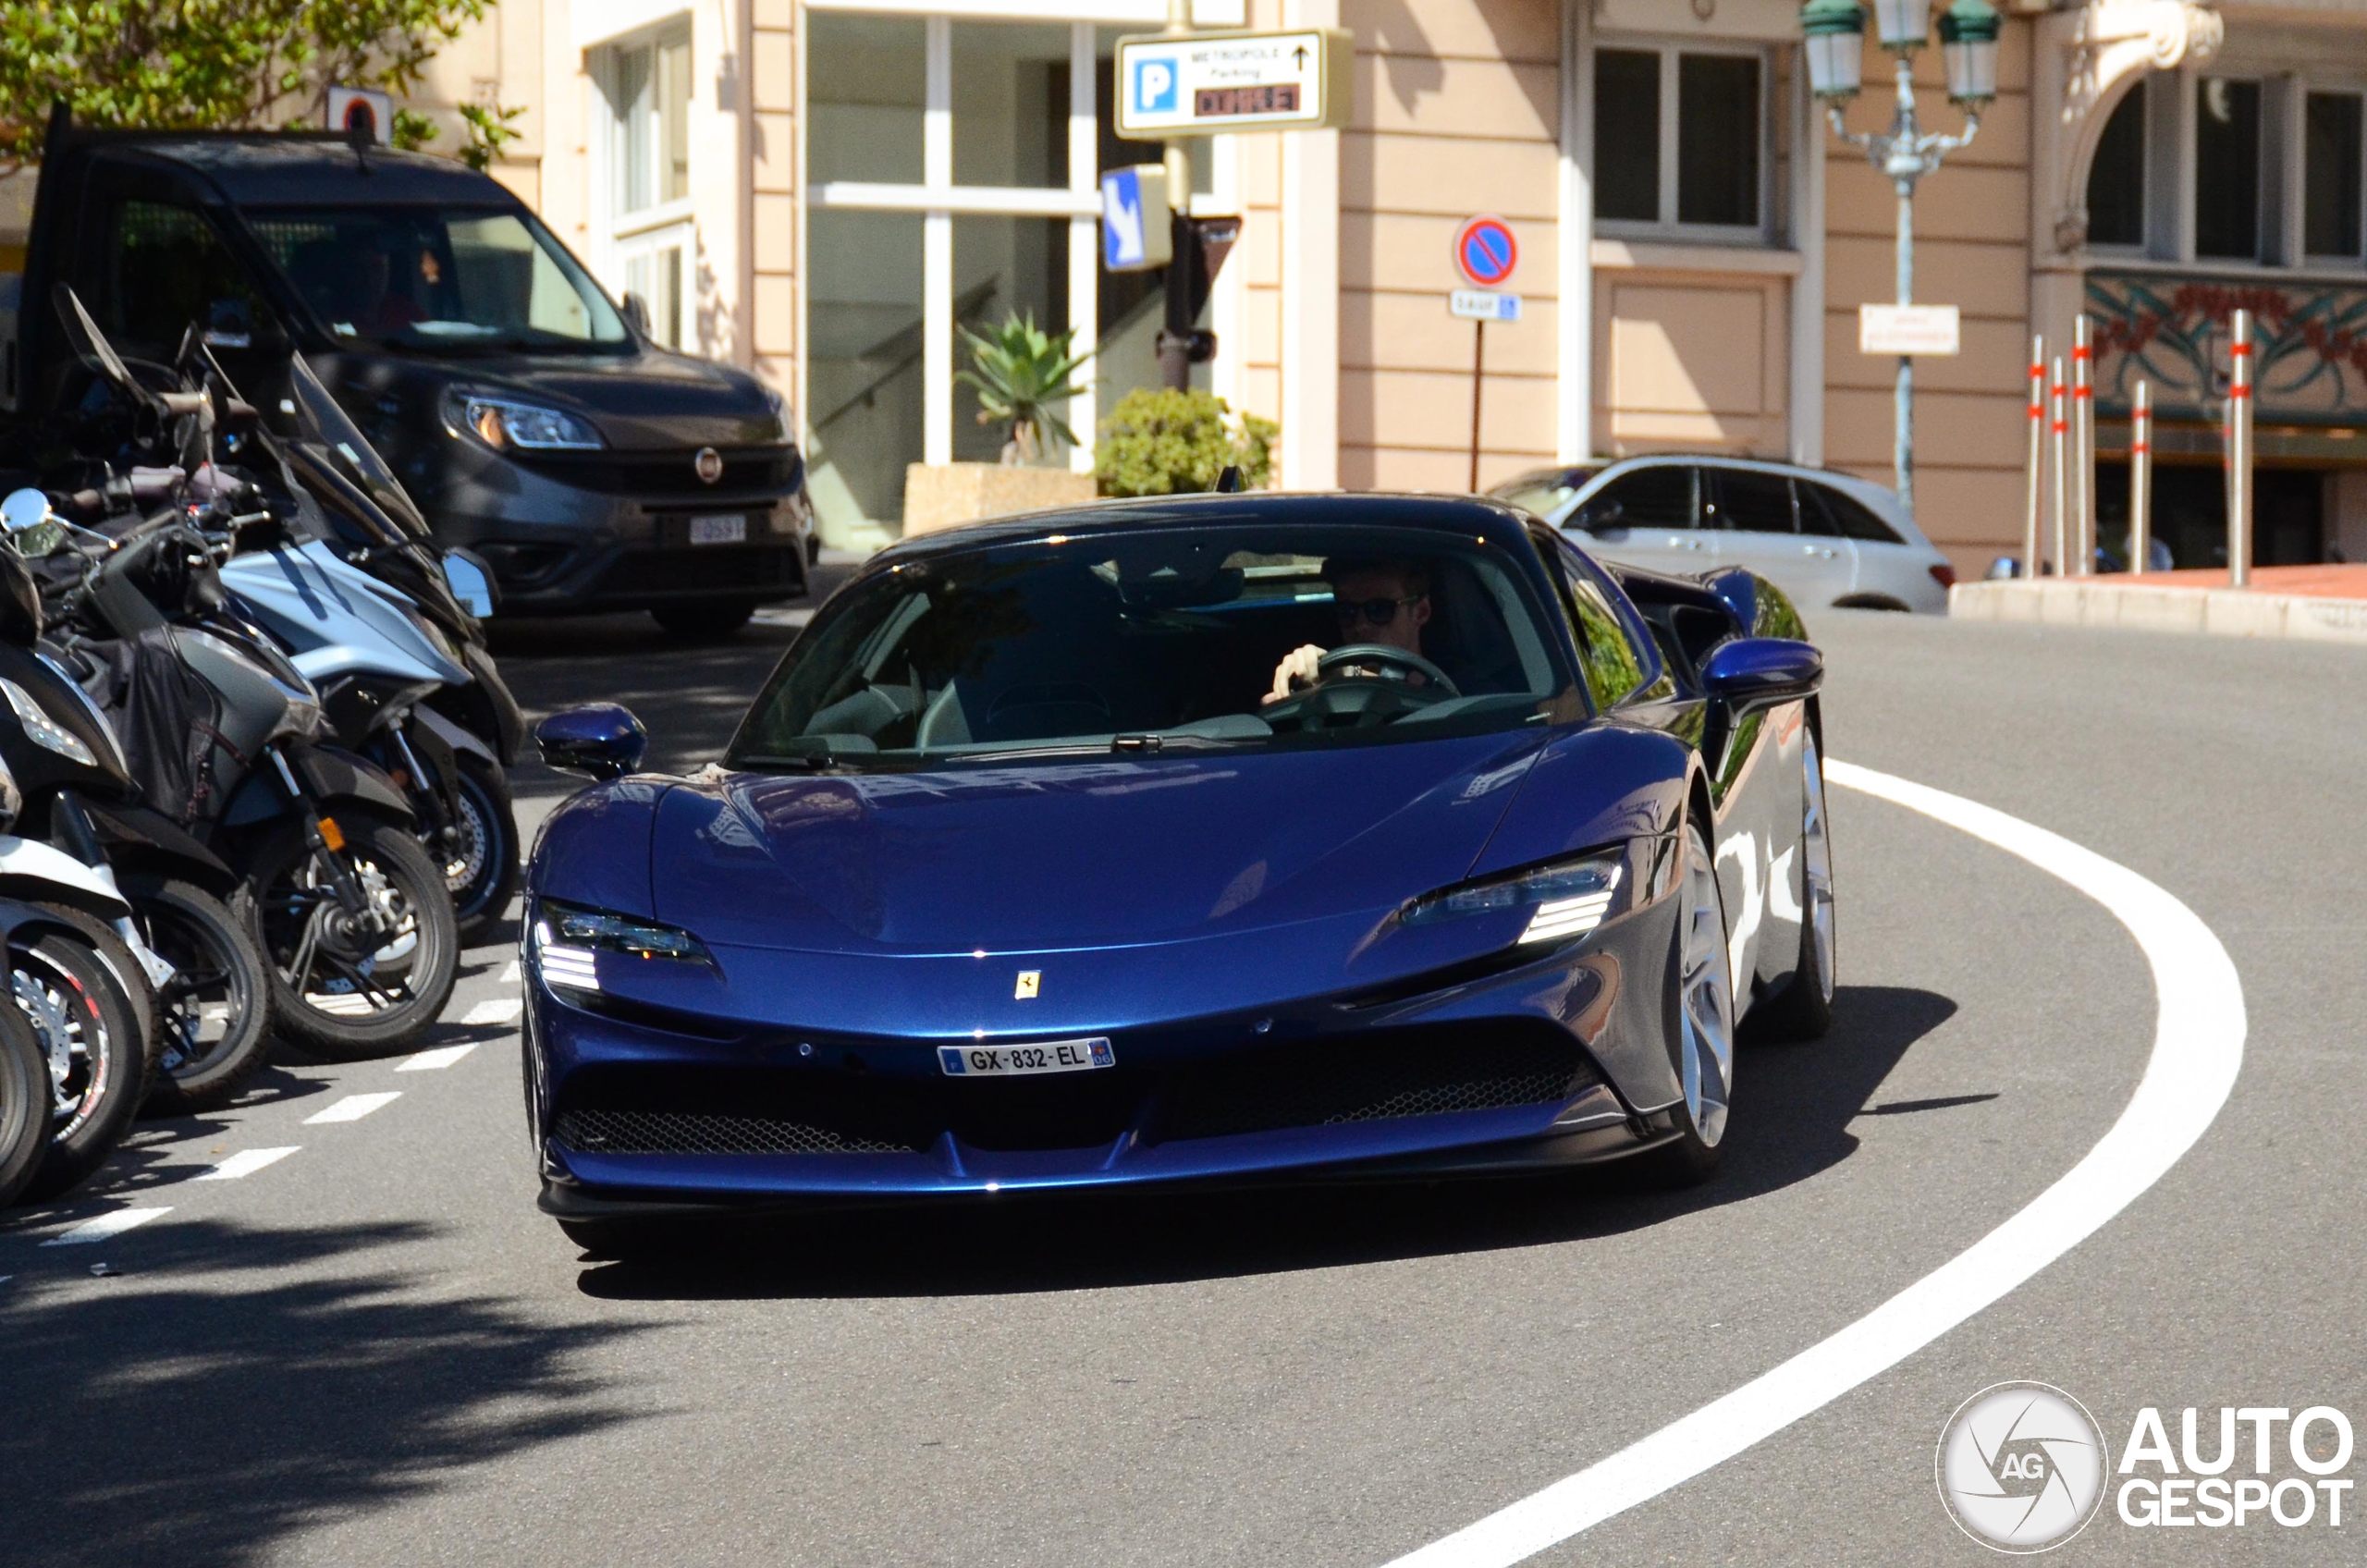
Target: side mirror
x=602 y=739
x=229 y=325
x=33 y=530
x=1755 y=671
x=471 y=582
x=637 y=313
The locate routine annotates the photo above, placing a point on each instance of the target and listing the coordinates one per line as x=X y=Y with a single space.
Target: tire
x=341 y=1006
x=482 y=876
x=98 y=1058
x=1803 y=1010
x=1700 y=1022
x=126 y=969
x=24 y=1105
x=704 y=620
x=213 y=1015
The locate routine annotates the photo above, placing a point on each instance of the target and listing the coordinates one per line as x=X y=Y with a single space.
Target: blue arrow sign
x=1135 y=235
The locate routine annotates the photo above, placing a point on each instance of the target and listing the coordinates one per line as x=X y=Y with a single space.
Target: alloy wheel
x=1816 y=871
x=1705 y=1001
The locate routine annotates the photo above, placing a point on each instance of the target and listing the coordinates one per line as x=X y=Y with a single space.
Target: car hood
x=1045 y=856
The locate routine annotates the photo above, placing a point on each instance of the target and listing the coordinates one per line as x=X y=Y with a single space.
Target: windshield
x=1251 y=636
x=438 y=279
x=1545 y=490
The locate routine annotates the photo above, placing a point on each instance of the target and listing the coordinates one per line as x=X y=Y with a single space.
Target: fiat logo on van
x=708 y=465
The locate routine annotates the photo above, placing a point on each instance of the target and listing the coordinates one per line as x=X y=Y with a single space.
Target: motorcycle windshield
x=321 y=422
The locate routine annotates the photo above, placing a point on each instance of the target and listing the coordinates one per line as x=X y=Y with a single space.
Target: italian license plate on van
x=1020 y=1062
x=718 y=530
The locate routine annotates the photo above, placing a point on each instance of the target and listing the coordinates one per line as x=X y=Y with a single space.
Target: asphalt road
x=376 y=1351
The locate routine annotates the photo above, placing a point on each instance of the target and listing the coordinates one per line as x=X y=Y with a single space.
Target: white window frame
x=2136 y=94
x=618 y=235
x=1667 y=227
x=651 y=240
x=2346 y=86
x=2273 y=126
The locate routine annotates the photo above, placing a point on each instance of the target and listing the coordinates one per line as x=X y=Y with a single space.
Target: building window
x=2227 y=168
x=2331 y=128
x=650 y=241
x=2116 y=177
x=1680 y=140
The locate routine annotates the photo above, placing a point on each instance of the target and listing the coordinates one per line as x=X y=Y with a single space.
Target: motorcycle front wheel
x=97 y=1058
x=341 y=988
x=481 y=863
x=213 y=1014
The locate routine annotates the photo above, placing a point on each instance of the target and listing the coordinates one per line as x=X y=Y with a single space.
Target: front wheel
x=213 y=1011
x=98 y=1059
x=1702 y=1021
x=24 y=1105
x=481 y=863
x=342 y=987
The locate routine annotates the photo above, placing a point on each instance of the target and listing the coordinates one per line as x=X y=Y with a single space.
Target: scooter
x=190 y=966
x=82 y=986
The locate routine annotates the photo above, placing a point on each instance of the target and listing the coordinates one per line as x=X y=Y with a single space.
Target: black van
x=532 y=420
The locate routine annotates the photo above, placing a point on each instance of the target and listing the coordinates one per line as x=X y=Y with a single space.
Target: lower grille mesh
x=674 y=1131
x=1415 y=1073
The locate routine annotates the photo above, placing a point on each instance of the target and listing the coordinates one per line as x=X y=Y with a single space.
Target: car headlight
x=502 y=425
x=566 y=940
x=1567 y=898
x=44 y=731
x=12 y=799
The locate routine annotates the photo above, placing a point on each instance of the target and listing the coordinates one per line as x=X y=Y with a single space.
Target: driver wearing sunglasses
x=1385 y=602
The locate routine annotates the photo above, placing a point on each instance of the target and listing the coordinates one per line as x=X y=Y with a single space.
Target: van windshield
x=438 y=280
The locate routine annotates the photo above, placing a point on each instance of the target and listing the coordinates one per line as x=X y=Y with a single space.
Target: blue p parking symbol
x=1155 y=86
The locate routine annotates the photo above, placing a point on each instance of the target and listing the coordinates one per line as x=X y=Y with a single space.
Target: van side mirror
x=229 y=325
x=603 y=739
x=637 y=312
x=1751 y=672
x=1600 y=515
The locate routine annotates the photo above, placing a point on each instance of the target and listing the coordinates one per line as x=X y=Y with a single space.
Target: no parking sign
x=1485 y=252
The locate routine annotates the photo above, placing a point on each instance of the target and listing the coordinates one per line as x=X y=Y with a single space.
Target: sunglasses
x=1374 y=612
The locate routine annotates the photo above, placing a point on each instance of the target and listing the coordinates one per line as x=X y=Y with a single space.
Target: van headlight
x=504 y=423
x=1566 y=899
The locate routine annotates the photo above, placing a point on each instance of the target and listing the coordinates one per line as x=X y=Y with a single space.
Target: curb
x=2209 y=612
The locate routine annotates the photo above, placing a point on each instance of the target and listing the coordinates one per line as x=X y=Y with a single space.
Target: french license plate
x=718 y=530
x=1020 y=1062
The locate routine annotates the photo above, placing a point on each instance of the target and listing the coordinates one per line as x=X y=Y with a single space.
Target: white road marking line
x=2197 y=1050
x=353 y=1108
x=502 y=1010
x=441 y=1057
x=105 y=1225
x=510 y=975
x=246 y=1162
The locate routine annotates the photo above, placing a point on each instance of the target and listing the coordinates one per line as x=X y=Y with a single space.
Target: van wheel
x=704 y=620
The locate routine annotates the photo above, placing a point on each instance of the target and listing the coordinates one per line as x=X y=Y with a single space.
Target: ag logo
x=2021 y=1468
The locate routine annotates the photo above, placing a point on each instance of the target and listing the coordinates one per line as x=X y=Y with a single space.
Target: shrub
x=1166 y=443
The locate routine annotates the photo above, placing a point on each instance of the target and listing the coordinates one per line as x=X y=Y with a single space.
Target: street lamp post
x=1833 y=38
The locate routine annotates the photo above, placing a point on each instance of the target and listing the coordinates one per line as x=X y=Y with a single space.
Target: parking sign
x=1155 y=86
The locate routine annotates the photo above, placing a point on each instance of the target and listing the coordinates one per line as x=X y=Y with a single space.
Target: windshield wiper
x=817 y=763
x=1136 y=743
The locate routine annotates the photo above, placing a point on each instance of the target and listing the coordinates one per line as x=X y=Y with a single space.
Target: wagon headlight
x=568 y=939
x=503 y=423
x=1564 y=899
x=44 y=731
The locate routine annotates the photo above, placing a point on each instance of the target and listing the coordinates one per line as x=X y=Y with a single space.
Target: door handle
x=1816 y=550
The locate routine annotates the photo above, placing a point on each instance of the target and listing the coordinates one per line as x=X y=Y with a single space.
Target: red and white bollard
x=2036 y=489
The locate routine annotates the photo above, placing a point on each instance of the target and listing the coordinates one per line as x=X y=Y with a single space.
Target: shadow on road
x=146 y=1420
x=1793 y=1109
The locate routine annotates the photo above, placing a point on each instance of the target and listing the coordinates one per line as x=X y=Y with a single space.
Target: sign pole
x=1479 y=359
x=1175 y=343
x=2032 y=505
x=2141 y=481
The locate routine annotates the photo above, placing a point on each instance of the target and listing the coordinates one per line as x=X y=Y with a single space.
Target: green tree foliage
x=212 y=65
x=1164 y=443
x=1019 y=372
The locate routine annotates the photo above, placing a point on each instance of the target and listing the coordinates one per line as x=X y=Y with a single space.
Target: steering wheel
x=1382 y=654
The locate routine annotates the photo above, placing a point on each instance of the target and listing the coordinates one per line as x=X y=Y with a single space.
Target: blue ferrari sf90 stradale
x=1212 y=838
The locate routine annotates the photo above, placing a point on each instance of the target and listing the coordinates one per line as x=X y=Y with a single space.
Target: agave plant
x=1019 y=372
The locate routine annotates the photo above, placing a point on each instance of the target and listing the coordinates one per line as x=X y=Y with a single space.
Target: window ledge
x=1667 y=256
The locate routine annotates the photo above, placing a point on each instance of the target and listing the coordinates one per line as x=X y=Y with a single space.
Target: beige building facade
x=827 y=192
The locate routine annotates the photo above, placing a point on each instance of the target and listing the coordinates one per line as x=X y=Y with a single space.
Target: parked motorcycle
x=207 y=1016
